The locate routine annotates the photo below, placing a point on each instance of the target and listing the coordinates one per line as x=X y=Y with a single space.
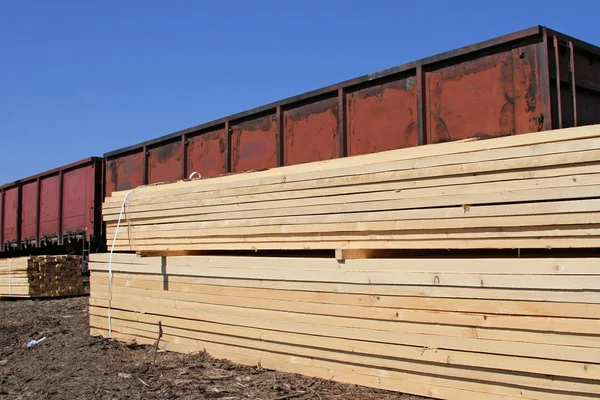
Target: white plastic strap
x=110 y=262
x=112 y=249
x=195 y=173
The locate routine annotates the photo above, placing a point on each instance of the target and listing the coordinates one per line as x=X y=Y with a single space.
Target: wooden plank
x=383 y=383
x=406 y=318
x=382 y=184
x=565 y=282
x=555 y=232
x=313 y=306
x=513 y=215
x=289 y=353
x=503 y=363
x=487 y=183
x=311 y=325
x=397 y=326
x=354 y=295
x=498 y=266
x=586 y=242
x=583 y=188
x=348 y=358
x=589 y=299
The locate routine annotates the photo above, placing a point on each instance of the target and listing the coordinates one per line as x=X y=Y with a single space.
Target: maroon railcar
x=528 y=81
x=54 y=210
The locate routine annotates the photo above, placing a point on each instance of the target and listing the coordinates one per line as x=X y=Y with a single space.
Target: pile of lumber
x=390 y=310
x=538 y=190
x=451 y=328
x=41 y=276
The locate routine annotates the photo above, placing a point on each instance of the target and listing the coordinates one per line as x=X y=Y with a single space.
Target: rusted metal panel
x=49 y=198
x=254 y=144
x=124 y=172
x=206 y=153
x=78 y=201
x=311 y=132
x=383 y=116
x=28 y=212
x=164 y=162
x=64 y=200
x=11 y=203
x=495 y=95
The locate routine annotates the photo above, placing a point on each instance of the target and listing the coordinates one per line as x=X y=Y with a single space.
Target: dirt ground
x=71 y=364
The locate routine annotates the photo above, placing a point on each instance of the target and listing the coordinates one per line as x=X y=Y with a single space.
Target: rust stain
x=531 y=94
x=236 y=145
x=305 y=111
x=442 y=130
x=487 y=97
x=263 y=124
x=112 y=172
x=167 y=152
x=381 y=117
x=124 y=173
x=130 y=165
x=507 y=117
x=311 y=132
x=206 y=153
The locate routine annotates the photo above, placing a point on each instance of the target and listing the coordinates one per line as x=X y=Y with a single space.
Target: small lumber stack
x=449 y=328
x=464 y=270
x=41 y=276
x=539 y=190
x=14 y=281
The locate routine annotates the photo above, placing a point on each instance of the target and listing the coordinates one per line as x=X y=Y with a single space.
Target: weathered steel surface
x=28 y=211
x=382 y=117
x=49 y=198
x=206 y=153
x=78 y=201
x=164 y=162
x=48 y=208
x=9 y=216
x=254 y=144
x=125 y=172
x=311 y=132
x=491 y=96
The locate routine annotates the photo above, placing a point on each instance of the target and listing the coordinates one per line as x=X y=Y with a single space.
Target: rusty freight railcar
x=532 y=80
x=53 y=212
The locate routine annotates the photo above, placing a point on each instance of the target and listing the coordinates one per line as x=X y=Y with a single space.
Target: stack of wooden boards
x=456 y=327
x=493 y=328
x=537 y=190
x=41 y=276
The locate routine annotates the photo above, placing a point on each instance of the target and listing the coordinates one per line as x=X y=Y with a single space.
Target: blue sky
x=81 y=78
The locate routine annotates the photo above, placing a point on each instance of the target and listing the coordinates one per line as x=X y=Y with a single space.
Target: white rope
x=112 y=248
x=195 y=173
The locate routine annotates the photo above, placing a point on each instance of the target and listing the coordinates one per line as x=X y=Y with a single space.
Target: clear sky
x=81 y=78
